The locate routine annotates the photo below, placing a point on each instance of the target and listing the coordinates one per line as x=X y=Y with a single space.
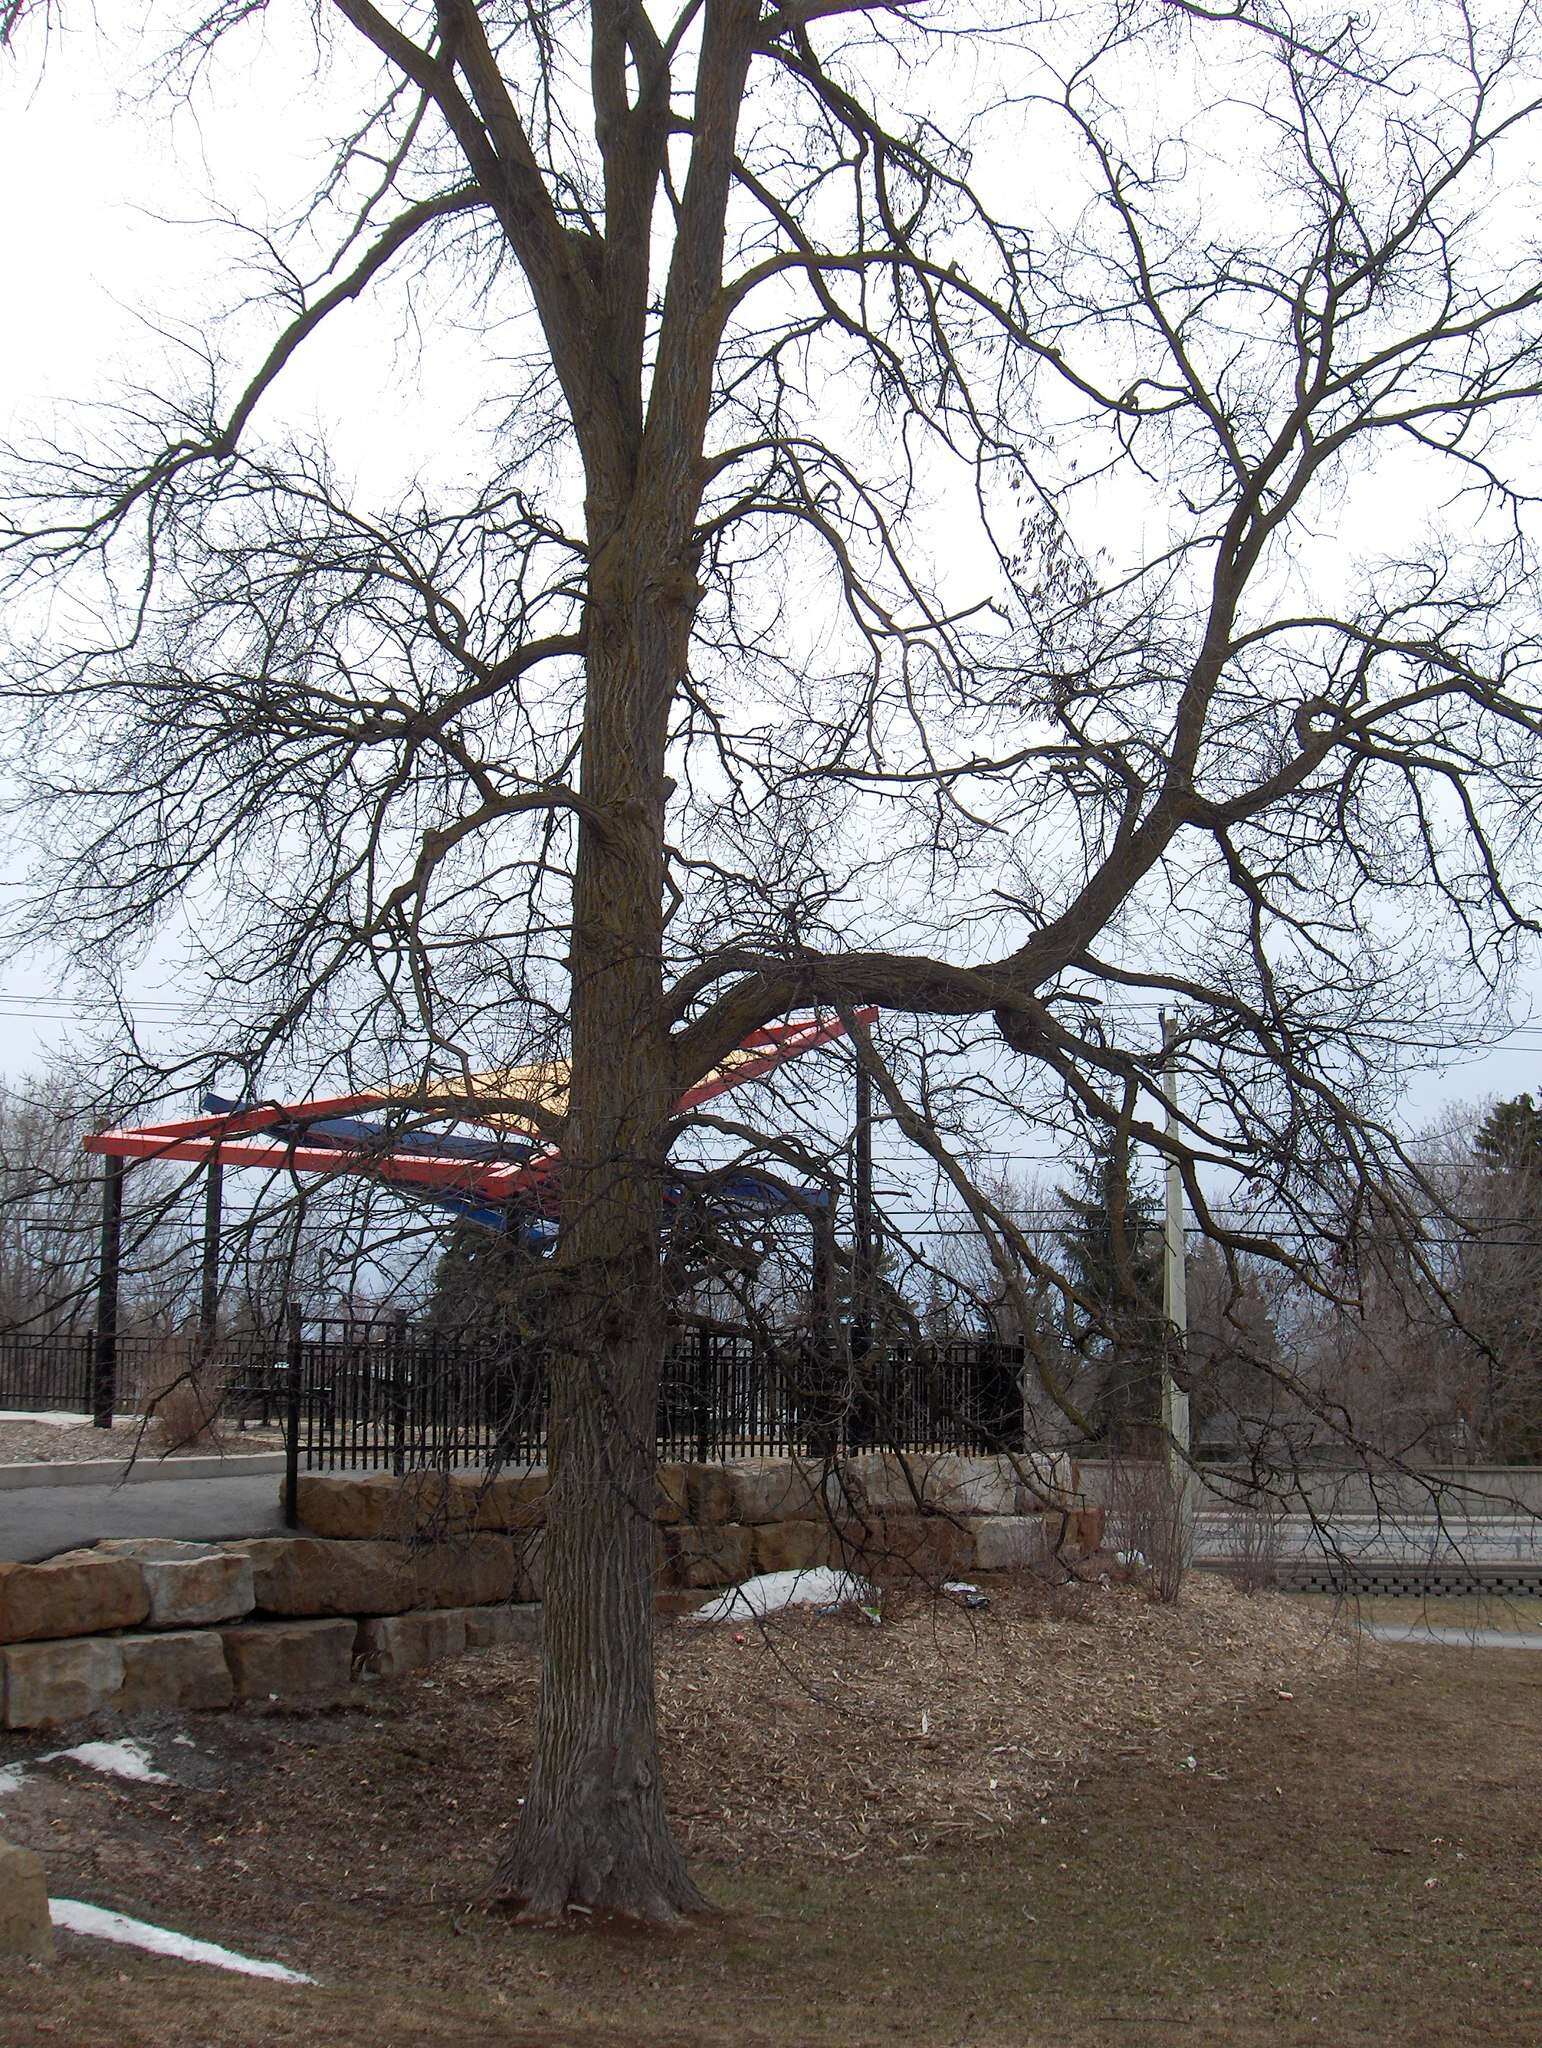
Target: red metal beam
x=228 y=1123
x=233 y=1138
x=782 y=1042
x=433 y=1169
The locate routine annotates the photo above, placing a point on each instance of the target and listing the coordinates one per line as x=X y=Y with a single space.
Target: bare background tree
x=868 y=572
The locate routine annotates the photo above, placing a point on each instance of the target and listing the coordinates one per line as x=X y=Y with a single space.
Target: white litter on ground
x=75 y=1917
x=117 y=1759
x=11 y=1778
x=820 y=1586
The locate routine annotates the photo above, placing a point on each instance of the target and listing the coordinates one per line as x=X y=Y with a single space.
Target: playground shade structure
x=515 y=1174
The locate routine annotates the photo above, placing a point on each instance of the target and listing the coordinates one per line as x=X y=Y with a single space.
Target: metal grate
x=1441 y=1581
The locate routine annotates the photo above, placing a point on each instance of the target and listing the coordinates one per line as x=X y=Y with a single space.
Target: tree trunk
x=593 y=1832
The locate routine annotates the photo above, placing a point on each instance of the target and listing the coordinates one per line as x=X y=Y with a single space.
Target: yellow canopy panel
x=504 y=1098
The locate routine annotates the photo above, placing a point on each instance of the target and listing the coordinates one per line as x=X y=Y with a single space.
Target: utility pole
x=1175 y=1305
x=863 y=1262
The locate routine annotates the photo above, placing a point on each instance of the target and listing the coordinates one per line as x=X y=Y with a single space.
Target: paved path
x=1407 y=1540
x=37 y=1521
x=1451 y=1638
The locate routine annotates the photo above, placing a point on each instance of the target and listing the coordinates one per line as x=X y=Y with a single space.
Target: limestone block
x=529 y=1567
x=77 y=1594
x=25 y=1928
x=928 y=1547
x=960 y=1485
x=377 y=1507
x=792 y=1546
x=718 y=1555
x=381 y=1507
x=289 y=1660
x=499 y=1628
x=311 y=1575
x=782 y=1489
x=671 y=1495
x=708 y=1493
x=1007 y=1543
x=890 y=1482
x=463 y=1571
x=395 y=1644
x=526 y=1494
x=513 y=1501
x=43 y=1684
x=189 y=1584
x=674 y=1600
x=180 y=1672
x=306 y=1575
x=1044 y=1479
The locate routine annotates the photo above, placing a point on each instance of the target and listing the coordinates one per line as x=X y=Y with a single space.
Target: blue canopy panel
x=358 y=1134
x=752 y=1190
x=528 y=1215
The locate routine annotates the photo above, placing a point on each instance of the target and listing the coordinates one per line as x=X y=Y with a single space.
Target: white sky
x=99 y=222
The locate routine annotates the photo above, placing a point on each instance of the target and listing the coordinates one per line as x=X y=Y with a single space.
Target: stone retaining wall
x=751 y=1493
x=396 y=1573
x=44 y=1684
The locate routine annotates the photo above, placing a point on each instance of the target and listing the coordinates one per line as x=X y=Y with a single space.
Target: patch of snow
x=11 y=1778
x=78 y=1918
x=821 y=1586
x=51 y=1419
x=126 y=1759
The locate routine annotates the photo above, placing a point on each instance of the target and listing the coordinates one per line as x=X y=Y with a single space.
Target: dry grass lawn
x=1067 y=1822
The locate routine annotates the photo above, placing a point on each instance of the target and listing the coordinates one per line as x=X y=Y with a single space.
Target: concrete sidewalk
x=1421 y=1633
x=38 y=1521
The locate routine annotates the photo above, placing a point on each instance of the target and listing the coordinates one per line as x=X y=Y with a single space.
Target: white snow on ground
x=53 y=1420
x=78 y=1918
x=11 y=1776
x=118 y=1759
x=821 y=1586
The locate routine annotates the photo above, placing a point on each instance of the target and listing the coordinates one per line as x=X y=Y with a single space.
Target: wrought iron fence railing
x=354 y=1396
x=410 y=1398
x=54 y=1372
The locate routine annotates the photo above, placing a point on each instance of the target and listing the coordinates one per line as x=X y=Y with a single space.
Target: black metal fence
x=410 y=1398
x=372 y=1396
x=46 y=1374
x=55 y=1372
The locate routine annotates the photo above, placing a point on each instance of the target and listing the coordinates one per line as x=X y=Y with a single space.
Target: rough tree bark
x=593 y=1831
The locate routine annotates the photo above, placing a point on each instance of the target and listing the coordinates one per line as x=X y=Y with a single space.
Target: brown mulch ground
x=836 y=1741
x=805 y=1740
x=54 y=1443
x=1213 y=1824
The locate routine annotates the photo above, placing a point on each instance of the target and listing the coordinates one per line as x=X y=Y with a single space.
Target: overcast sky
x=101 y=233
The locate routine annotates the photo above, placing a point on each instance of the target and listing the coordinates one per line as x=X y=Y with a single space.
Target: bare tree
x=47 y=1209
x=1437 y=1356
x=689 y=707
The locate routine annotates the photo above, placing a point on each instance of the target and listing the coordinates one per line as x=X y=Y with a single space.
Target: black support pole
x=105 y=1375
x=296 y=1359
x=209 y=1297
x=862 y=1220
x=821 y=1404
x=397 y=1368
